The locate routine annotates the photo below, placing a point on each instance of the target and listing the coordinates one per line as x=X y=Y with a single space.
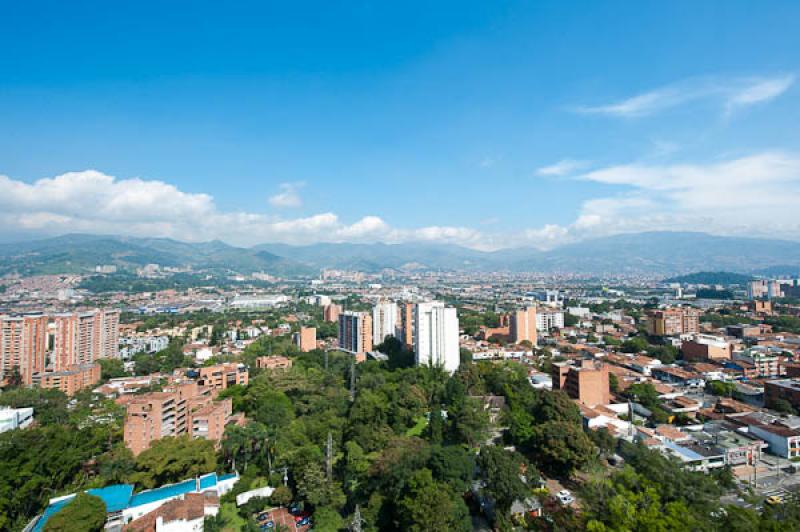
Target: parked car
x=565 y=497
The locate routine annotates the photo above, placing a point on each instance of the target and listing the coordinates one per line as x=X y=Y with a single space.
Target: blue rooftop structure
x=687 y=453
x=116 y=498
x=119 y=497
x=173 y=490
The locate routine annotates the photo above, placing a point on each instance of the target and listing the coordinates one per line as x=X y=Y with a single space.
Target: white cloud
x=288 y=197
x=753 y=195
x=733 y=94
x=93 y=202
x=561 y=168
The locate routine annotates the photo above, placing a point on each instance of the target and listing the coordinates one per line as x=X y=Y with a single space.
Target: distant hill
x=77 y=253
x=654 y=253
x=712 y=278
x=377 y=257
x=664 y=253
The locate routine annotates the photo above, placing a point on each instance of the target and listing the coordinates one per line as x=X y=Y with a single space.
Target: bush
x=86 y=513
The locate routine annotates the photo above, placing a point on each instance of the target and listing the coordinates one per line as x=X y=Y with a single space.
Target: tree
x=171 y=460
x=431 y=506
x=465 y=355
x=327 y=519
x=435 y=428
x=603 y=439
x=470 y=422
x=634 y=345
x=722 y=389
x=400 y=356
x=117 y=465
x=14 y=378
x=452 y=464
x=501 y=471
x=314 y=488
x=613 y=383
x=783 y=406
x=85 y=513
x=40 y=460
x=282 y=496
x=559 y=447
x=111 y=368
x=643 y=393
x=49 y=405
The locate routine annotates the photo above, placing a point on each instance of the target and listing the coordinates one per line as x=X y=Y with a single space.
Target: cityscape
x=372 y=267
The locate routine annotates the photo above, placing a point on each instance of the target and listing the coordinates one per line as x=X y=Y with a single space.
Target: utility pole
x=326 y=360
x=285 y=476
x=355 y=526
x=353 y=379
x=329 y=457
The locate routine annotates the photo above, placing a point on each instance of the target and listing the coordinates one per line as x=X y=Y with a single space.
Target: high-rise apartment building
x=406 y=326
x=83 y=337
x=331 y=312
x=436 y=336
x=673 y=321
x=23 y=345
x=384 y=321
x=306 y=338
x=523 y=325
x=548 y=318
x=355 y=333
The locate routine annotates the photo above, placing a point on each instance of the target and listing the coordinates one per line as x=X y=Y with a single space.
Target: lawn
x=420 y=423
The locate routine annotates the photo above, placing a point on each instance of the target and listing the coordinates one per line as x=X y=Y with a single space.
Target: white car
x=565 y=497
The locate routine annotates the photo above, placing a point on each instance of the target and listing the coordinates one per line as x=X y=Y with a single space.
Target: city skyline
x=472 y=124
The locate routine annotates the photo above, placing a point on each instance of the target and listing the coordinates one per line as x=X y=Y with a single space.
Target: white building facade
x=436 y=339
x=384 y=321
x=547 y=319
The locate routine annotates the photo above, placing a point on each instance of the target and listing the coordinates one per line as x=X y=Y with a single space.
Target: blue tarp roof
x=118 y=497
x=173 y=490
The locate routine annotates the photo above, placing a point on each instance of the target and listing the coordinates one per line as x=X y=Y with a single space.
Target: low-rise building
x=70 y=380
x=783 y=389
x=221 y=376
x=783 y=441
x=274 y=362
x=15 y=418
x=305 y=338
x=706 y=348
x=587 y=382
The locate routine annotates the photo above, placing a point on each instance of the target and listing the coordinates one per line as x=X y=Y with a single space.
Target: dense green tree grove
x=85 y=513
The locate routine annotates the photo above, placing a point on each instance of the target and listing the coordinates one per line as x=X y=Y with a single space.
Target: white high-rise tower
x=436 y=339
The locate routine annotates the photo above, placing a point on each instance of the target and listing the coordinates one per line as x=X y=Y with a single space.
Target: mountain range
x=651 y=253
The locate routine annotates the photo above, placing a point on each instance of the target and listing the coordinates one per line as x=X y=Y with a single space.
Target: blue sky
x=487 y=124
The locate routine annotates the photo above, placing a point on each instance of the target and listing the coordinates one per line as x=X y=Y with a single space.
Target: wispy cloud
x=562 y=168
x=288 y=197
x=732 y=94
x=756 y=195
